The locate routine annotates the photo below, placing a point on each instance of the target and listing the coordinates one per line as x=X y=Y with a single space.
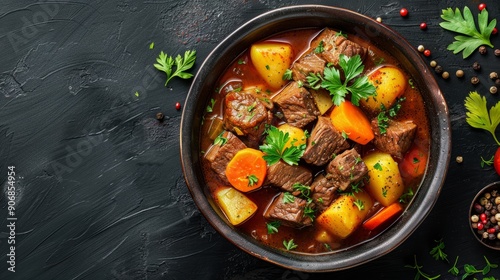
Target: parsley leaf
x=289 y=245
x=314 y=80
x=182 y=64
x=274 y=148
x=288 y=75
x=272 y=227
x=220 y=140
x=288 y=198
x=319 y=48
x=454 y=21
x=359 y=87
x=477 y=114
x=252 y=180
x=437 y=251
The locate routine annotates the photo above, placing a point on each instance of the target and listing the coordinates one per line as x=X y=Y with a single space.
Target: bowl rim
x=488 y=187
x=441 y=143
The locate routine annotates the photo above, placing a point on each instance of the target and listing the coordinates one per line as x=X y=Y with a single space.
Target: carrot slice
x=350 y=119
x=382 y=216
x=247 y=170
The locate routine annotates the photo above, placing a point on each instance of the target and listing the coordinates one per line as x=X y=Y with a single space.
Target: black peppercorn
x=497 y=82
x=482 y=50
x=476 y=66
x=497 y=52
x=159 y=116
x=493 y=75
x=438 y=69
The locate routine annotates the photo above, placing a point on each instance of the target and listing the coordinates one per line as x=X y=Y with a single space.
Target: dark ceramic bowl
x=317 y=16
x=495 y=243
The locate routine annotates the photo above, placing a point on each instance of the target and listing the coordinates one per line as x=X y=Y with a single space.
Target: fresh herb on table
x=454 y=269
x=166 y=64
x=272 y=227
x=289 y=245
x=471 y=270
x=437 y=252
x=357 y=85
x=152 y=45
x=477 y=114
x=274 y=148
x=471 y=37
x=420 y=272
x=487 y=162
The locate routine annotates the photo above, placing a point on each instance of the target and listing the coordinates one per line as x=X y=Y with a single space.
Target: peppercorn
x=427 y=53
x=476 y=66
x=493 y=89
x=482 y=50
x=433 y=64
x=177 y=106
x=459 y=159
x=423 y=26
x=438 y=69
x=403 y=12
x=379 y=19
x=420 y=48
x=497 y=200
x=474 y=80
x=459 y=73
x=497 y=52
x=159 y=116
x=474 y=218
x=481 y=6
x=445 y=75
x=493 y=75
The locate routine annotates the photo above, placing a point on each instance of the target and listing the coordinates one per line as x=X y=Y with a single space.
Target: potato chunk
x=236 y=206
x=390 y=83
x=271 y=61
x=345 y=214
x=385 y=183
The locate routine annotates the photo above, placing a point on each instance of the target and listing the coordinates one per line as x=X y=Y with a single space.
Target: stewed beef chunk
x=334 y=44
x=284 y=176
x=346 y=168
x=325 y=141
x=220 y=154
x=310 y=63
x=297 y=105
x=397 y=139
x=324 y=191
x=245 y=115
x=289 y=210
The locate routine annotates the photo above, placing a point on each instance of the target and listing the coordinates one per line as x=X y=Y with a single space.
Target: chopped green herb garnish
x=358 y=86
x=220 y=140
x=241 y=61
x=303 y=189
x=289 y=245
x=288 y=198
x=210 y=107
x=274 y=148
x=378 y=166
x=319 y=48
x=314 y=80
x=252 y=180
x=272 y=227
x=404 y=198
x=152 y=45
x=359 y=203
x=288 y=75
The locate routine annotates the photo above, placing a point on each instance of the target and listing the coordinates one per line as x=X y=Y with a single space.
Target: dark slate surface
x=99 y=189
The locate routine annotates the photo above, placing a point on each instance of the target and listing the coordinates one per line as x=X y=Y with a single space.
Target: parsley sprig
x=464 y=24
x=477 y=114
x=357 y=85
x=437 y=251
x=166 y=64
x=274 y=148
